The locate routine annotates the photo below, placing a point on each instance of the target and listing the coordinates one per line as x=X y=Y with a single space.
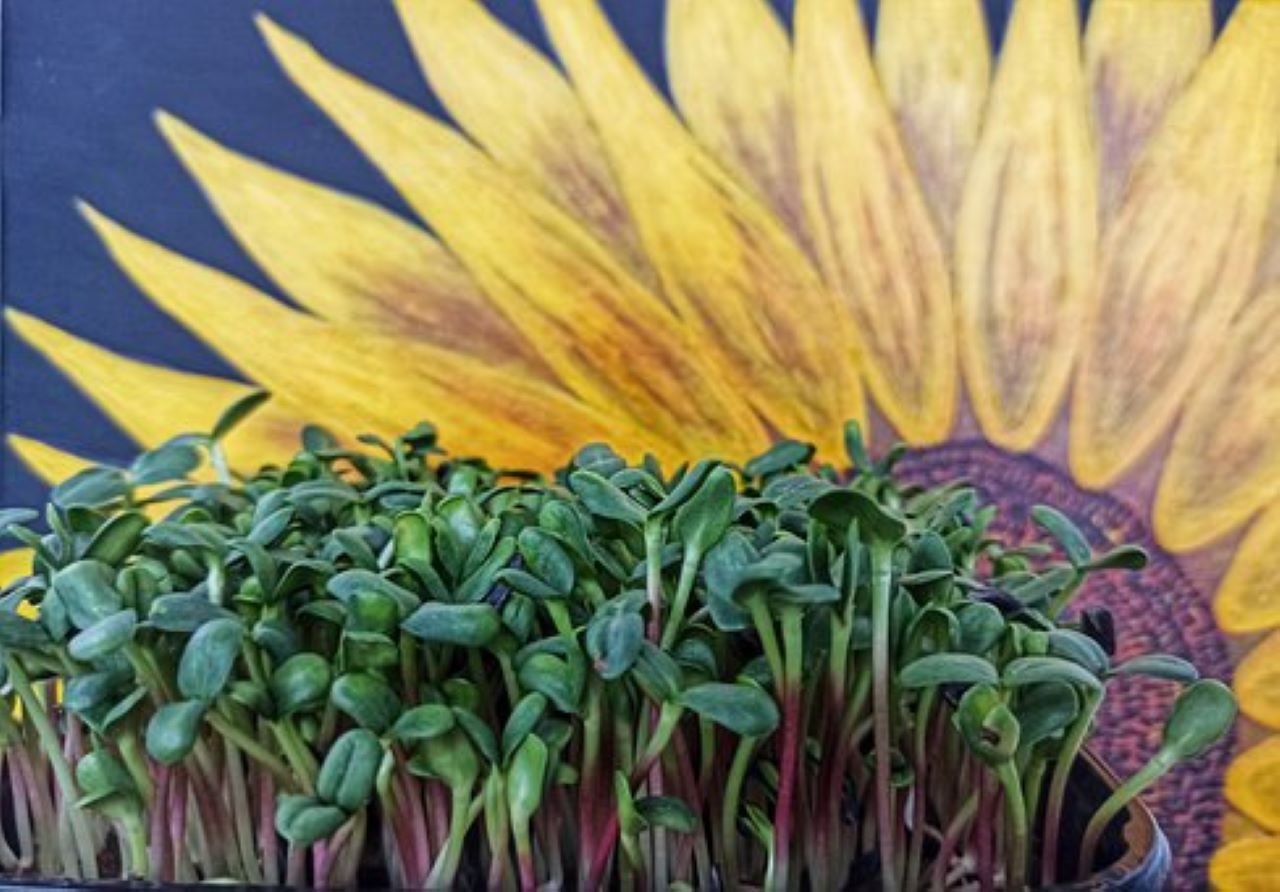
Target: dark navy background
x=80 y=81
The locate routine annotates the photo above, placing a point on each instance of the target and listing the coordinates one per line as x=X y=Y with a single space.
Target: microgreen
x=755 y=675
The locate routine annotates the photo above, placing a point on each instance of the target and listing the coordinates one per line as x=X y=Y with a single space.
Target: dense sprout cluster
x=388 y=665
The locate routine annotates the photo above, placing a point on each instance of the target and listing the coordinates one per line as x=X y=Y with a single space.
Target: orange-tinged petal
x=359 y=381
x=49 y=463
x=1224 y=462
x=934 y=60
x=1248 y=865
x=875 y=239
x=1248 y=599
x=729 y=64
x=1236 y=826
x=1139 y=55
x=152 y=403
x=515 y=103
x=346 y=259
x=1252 y=783
x=1026 y=235
x=611 y=342
x=1257 y=682
x=1179 y=258
x=14 y=563
x=729 y=267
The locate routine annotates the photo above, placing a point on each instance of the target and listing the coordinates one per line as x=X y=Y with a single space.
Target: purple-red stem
x=21 y=812
x=410 y=834
x=438 y=797
x=784 y=816
x=161 y=869
x=267 y=838
x=415 y=844
x=41 y=807
x=178 y=822
x=689 y=782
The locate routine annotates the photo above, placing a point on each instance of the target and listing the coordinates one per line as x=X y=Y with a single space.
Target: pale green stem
x=252 y=748
x=33 y=710
x=1115 y=803
x=242 y=820
x=688 y=576
x=1016 y=844
x=881 y=581
x=446 y=866
x=729 y=811
x=653 y=576
x=1071 y=747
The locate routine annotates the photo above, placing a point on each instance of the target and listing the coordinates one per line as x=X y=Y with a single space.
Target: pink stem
x=320 y=861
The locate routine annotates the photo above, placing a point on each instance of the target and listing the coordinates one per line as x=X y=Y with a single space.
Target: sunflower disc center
x=1157 y=610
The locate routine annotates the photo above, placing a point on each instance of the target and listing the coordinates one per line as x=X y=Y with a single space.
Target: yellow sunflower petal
x=49 y=463
x=1225 y=459
x=1257 y=682
x=1026 y=234
x=731 y=270
x=1252 y=783
x=151 y=403
x=1249 y=865
x=515 y=103
x=358 y=381
x=345 y=258
x=875 y=238
x=1236 y=826
x=1139 y=55
x=1268 y=274
x=934 y=59
x=609 y=340
x=729 y=63
x=13 y=564
x=1180 y=255
x=1248 y=599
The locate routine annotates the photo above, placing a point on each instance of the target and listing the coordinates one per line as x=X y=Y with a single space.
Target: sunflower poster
x=1035 y=241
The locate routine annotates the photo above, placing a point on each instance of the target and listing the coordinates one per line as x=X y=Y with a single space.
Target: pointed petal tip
x=47 y=462
x=89 y=212
x=26 y=325
x=267 y=26
x=113 y=235
x=175 y=130
x=280 y=40
x=103 y=226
